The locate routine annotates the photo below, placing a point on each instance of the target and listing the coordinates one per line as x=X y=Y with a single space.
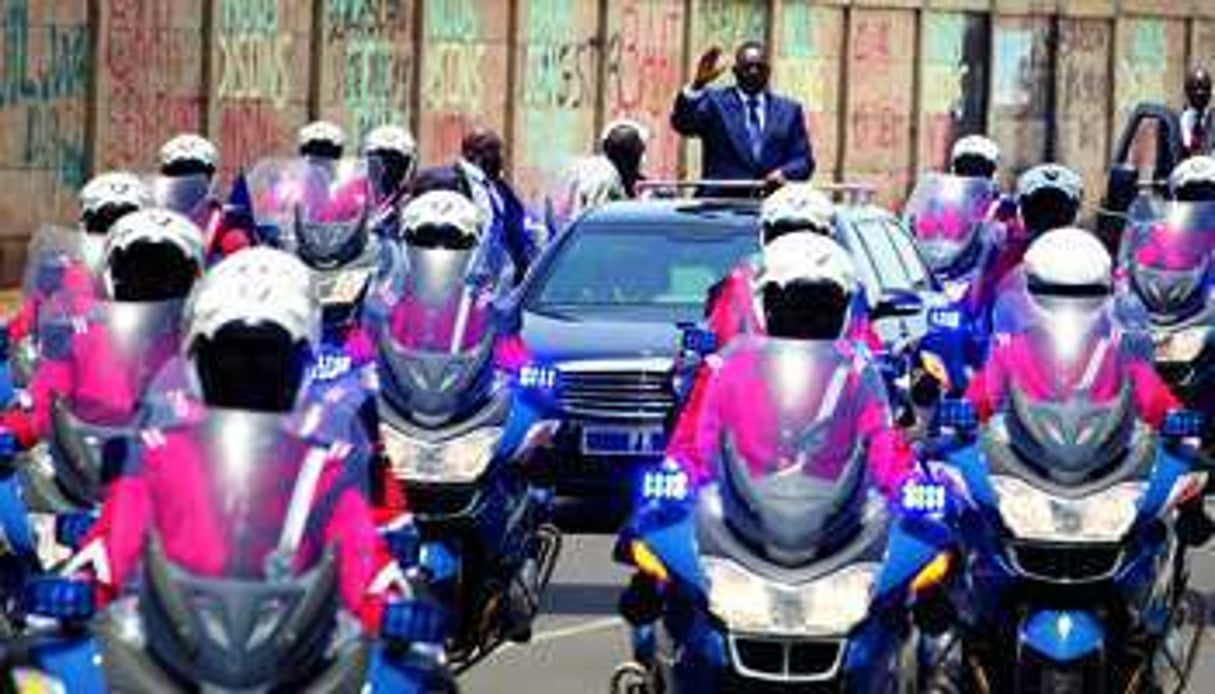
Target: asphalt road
x=579 y=641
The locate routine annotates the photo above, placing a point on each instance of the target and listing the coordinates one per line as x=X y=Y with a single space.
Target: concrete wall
x=87 y=85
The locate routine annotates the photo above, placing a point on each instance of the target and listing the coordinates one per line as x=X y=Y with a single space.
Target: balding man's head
x=751 y=68
x=1198 y=88
x=483 y=147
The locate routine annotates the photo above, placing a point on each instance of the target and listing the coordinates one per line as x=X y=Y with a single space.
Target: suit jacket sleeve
x=798 y=162
x=690 y=114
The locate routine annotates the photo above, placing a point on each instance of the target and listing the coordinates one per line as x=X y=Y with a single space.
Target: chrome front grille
x=1065 y=563
x=786 y=660
x=631 y=395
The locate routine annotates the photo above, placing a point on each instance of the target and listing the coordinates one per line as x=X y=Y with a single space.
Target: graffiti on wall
x=557 y=85
x=879 y=115
x=152 y=77
x=260 y=62
x=806 y=66
x=952 y=67
x=463 y=72
x=644 y=50
x=368 y=62
x=1082 y=87
x=43 y=84
x=1020 y=84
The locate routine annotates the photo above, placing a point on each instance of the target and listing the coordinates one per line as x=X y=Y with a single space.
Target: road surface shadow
x=580 y=599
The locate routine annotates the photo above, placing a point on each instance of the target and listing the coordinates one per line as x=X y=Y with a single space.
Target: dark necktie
x=1199 y=134
x=753 y=127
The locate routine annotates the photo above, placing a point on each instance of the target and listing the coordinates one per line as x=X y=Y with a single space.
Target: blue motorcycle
x=789 y=572
x=79 y=649
x=1074 y=523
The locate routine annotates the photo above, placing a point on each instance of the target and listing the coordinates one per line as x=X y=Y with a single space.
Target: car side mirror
x=897 y=302
x=1122 y=187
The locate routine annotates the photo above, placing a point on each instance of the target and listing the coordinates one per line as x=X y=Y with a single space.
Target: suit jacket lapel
x=736 y=124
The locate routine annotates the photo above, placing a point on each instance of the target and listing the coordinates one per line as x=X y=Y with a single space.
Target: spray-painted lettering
x=255 y=56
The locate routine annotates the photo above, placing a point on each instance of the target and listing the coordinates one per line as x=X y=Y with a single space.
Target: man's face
x=751 y=70
x=1198 y=89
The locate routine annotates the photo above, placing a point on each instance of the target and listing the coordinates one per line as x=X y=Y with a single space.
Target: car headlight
x=457 y=460
x=1183 y=346
x=1031 y=514
x=830 y=605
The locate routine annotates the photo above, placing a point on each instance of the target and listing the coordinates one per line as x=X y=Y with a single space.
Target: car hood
x=560 y=339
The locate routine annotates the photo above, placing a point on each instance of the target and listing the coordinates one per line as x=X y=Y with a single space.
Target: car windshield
x=632 y=269
x=893 y=257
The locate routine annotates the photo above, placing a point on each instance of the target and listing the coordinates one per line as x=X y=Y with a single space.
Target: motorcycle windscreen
x=1170 y=258
x=792 y=466
x=435 y=344
x=228 y=607
x=945 y=213
x=331 y=215
x=51 y=251
x=1070 y=411
x=187 y=195
x=276 y=188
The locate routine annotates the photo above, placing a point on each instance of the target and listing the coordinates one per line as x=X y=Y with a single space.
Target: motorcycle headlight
x=457 y=460
x=831 y=605
x=1182 y=346
x=955 y=290
x=1032 y=514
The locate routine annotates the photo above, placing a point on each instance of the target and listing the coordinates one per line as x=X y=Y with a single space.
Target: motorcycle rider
x=323 y=140
x=103 y=201
x=804 y=298
x=1193 y=180
x=186 y=184
x=152 y=259
x=1048 y=197
x=1067 y=279
x=250 y=331
x=1197 y=119
x=791 y=220
x=975 y=156
x=392 y=157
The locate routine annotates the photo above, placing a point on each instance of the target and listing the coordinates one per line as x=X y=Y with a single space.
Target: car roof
x=718 y=213
x=735 y=213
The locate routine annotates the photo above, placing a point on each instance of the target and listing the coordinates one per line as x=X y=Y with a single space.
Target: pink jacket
x=1013 y=359
x=171 y=494
x=736 y=396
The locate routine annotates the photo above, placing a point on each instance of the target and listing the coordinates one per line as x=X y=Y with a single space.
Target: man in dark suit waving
x=747 y=132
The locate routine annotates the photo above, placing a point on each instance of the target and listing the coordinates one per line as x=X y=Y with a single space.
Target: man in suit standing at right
x=747 y=132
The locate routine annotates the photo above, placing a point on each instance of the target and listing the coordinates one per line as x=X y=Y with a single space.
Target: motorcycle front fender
x=74 y=662
x=1061 y=637
x=405 y=672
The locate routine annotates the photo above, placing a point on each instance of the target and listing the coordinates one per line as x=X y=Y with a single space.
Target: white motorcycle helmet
x=1049 y=197
x=322 y=139
x=392 y=155
x=1193 y=180
x=1068 y=262
x=251 y=328
x=110 y=196
x=152 y=255
x=441 y=219
x=806 y=288
x=188 y=154
x=975 y=156
x=796 y=207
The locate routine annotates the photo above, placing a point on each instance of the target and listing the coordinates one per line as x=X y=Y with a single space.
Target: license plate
x=623 y=440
